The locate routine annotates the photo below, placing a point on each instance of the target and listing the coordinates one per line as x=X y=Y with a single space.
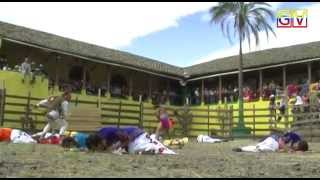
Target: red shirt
x=5 y=134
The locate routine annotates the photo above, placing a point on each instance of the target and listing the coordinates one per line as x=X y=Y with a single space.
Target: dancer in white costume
x=57 y=112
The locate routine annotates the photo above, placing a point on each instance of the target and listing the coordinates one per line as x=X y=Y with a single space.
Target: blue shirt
x=109 y=134
x=80 y=138
x=291 y=137
x=133 y=132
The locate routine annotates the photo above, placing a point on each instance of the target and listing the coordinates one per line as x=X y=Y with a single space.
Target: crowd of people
x=28 y=69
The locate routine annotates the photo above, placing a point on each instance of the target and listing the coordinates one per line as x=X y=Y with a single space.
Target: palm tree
x=246 y=18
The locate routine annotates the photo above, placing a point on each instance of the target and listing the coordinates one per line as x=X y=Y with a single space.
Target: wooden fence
x=210 y=120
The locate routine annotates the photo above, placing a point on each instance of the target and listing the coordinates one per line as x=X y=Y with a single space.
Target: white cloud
x=109 y=24
x=285 y=37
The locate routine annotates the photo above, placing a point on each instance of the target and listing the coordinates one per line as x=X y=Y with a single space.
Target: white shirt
x=25 y=67
x=298 y=101
x=65 y=108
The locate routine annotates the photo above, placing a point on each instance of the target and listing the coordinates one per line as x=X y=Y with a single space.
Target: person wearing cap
x=57 y=112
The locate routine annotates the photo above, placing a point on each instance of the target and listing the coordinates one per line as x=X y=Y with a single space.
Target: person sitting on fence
x=57 y=112
x=165 y=123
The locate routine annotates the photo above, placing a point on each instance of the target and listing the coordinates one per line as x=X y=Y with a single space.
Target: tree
x=247 y=18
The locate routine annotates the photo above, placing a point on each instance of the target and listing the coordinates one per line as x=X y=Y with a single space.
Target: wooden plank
x=308 y=121
x=87 y=121
x=22 y=97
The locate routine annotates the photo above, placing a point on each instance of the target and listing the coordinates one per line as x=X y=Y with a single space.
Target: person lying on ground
x=207 y=139
x=290 y=138
x=107 y=139
x=75 y=141
x=274 y=144
x=141 y=142
x=15 y=136
x=130 y=139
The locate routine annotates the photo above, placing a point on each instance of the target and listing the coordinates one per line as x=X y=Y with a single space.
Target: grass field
x=193 y=160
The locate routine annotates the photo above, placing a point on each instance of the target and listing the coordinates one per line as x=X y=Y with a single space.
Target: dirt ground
x=193 y=160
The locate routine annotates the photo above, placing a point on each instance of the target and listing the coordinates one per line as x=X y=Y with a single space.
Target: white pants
x=143 y=143
x=268 y=145
x=60 y=124
x=18 y=136
x=56 y=123
x=207 y=139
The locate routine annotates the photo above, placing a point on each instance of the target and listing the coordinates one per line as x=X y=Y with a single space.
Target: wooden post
x=99 y=98
x=56 y=84
x=231 y=121
x=77 y=101
x=25 y=120
x=208 y=120
x=130 y=86
x=223 y=119
x=109 y=81
x=2 y=105
x=119 y=114
x=254 y=121
x=260 y=84
x=150 y=88
x=141 y=115
x=220 y=89
x=84 y=80
x=168 y=91
x=286 y=117
x=284 y=82
x=309 y=72
x=202 y=92
x=219 y=117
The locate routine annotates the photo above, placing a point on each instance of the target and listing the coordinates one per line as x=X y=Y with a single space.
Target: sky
x=177 y=33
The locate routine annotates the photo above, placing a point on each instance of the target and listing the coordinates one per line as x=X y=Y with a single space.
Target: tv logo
x=287 y=18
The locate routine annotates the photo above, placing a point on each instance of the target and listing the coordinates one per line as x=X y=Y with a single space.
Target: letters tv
x=292 y=18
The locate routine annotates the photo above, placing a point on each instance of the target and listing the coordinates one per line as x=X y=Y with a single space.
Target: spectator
x=26 y=68
x=196 y=96
x=272 y=107
x=172 y=97
x=3 y=62
x=206 y=95
x=304 y=88
x=281 y=107
x=211 y=96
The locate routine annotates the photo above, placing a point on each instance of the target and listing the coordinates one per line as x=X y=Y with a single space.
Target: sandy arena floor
x=194 y=160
